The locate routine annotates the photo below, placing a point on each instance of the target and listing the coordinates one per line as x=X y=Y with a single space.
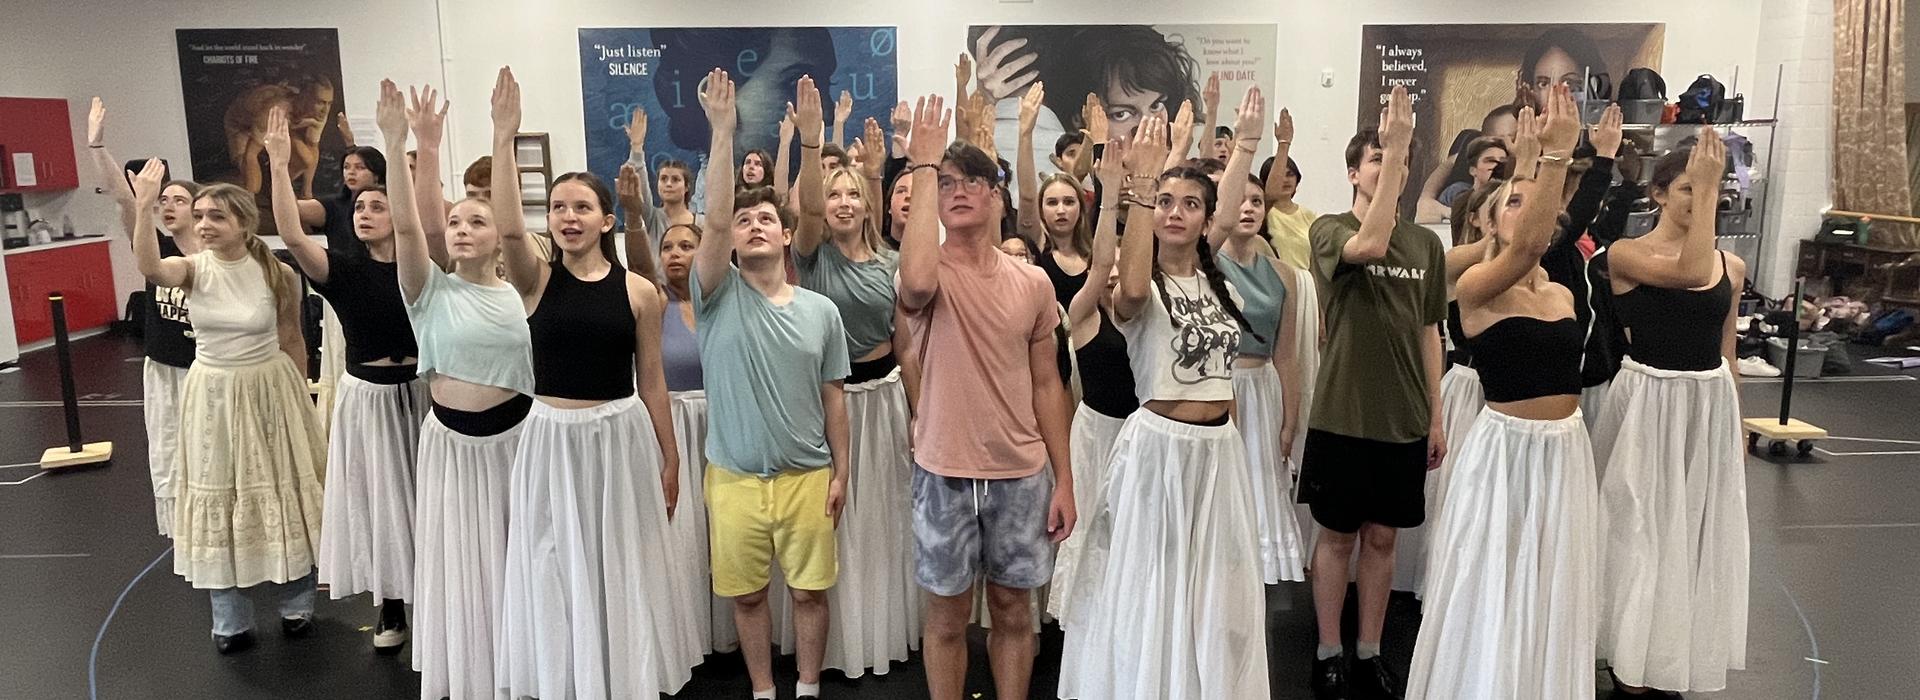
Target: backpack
x=1890 y=322
x=1643 y=84
x=1701 y=101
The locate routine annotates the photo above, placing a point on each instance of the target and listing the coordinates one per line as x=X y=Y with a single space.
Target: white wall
x=127 y=54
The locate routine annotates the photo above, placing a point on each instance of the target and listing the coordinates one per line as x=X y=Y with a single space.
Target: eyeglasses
x=972 y=184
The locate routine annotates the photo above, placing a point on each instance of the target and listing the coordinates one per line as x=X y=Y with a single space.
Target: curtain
x=1913 y=151
x=1869 y=109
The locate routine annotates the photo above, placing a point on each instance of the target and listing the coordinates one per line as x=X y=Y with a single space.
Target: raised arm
x=812 y=192
x=1145 y=153
x=1585 y=205
x=842 y=111
x=1696 y=264
x=716 y=247
x=920 y=245
x=414 y=262
x=873 y=159
x=1028 y=208
x=524 y=270
x=1210 y=103
x=1540 y=208
x=1182 y=137
x=165 y=272
x=307 y=252
x=902 y=127
x=1282 y=148
x=1383 y=210
x=1233 y=181
x=782 y=175
x=1094 y=115
x=637 y=157
x=111 y=178
x=631 y=189
x=1106 y=236
x=429 y=199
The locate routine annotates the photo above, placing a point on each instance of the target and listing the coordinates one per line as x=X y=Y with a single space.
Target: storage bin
x=1806 y=365
x=1735 y=222
x=1642 y=111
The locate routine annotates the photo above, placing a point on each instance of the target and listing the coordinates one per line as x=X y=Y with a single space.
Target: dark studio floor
x=93 y=609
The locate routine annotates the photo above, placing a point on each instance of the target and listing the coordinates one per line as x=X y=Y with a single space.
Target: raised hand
x=806 y=110
x=279 y=146
x=1251 y=114
x=1146 y=153
x=929 y=137
x=1094 y=115
x=428 y=124
x=96 y=124
x=1526 y=143
x=717 y=99
x=1283 y=128
x=1210 y=96
x=1606 y=133
x=998 y=76
x=146 y=184
x=902 y=126
x=1112 y=168
x=346 y=130
x=843 y=109
x=983 y=132
x=786 y=127
x=391 y=113
x=1561 y=128
x=1707 y=163
x=637 y=130
x=1030 y=107
x=506 y=103
x=962 y=73
x=629 y=189
x=1183 y=122
x=1396 y=123
x=873 y=155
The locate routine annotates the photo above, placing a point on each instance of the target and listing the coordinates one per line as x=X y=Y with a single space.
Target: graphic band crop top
x=1522 y=358
x=1676 y=329
x=473 y=333
x=1182 y=349
x=583 y=341
x=1260 y=285
x=373 y=319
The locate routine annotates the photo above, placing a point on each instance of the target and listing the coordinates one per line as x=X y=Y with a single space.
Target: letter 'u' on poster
x=23 y=172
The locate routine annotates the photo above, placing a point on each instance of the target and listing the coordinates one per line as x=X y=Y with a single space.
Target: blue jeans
x=233 y=610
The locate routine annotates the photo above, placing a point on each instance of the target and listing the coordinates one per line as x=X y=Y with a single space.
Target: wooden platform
x=1793 y=429
x=90 y=453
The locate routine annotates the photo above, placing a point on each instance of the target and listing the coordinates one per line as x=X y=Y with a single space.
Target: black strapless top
x=1522 y=358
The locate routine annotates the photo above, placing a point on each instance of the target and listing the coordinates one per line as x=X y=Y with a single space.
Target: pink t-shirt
x=975 y=416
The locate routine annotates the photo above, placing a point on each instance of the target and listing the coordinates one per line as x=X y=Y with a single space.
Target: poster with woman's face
x=1135 y=69
x=660 y=70
x=1470 y=80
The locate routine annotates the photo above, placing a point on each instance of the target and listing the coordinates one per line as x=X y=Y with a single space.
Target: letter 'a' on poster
x=231 y=78
x=1468 y=80
x=661 y=70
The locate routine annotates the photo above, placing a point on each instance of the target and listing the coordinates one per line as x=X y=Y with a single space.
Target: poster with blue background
x=660 y=70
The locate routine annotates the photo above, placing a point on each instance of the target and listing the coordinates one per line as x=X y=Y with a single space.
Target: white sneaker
x=390 y=640
x=1756 y=367
x=1742 y=323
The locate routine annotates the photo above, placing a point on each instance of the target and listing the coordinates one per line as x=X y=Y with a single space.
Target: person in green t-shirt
x=1373 y=433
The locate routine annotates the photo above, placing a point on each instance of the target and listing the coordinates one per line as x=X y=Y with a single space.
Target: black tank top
x=1676 y=329
x=1064 y=285
x=583 y=341
x=1522 y=358
x=1462 y=352
x=1106 y=380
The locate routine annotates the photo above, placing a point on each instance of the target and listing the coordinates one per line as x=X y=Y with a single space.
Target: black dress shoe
x=1620 y=691
x=1372 y=680
x=233 y=644
x=1330 y=679
x=296 y=627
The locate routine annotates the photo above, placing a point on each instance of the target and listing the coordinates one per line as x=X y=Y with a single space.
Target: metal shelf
x=1753 y=124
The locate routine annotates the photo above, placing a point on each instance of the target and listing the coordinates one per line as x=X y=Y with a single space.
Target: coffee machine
x=13 y=221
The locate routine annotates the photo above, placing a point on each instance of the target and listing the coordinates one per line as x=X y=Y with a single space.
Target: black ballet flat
x=232 y=644
x=1620 y=690
x=296 y=627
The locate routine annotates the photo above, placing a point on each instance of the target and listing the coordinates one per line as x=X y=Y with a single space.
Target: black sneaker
x=233 y=644
x=1372 y=680
x=1330 y=679
x=296 y=627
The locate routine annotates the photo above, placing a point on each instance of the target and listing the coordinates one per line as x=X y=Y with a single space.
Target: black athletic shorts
x=1350 y=481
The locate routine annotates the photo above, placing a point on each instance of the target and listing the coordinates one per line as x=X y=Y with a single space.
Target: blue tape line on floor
x=93 y=659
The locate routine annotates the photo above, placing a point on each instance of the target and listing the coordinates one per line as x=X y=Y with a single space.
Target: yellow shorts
x=753 y=520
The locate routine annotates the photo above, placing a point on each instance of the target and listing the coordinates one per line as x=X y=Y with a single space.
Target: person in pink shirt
x=992 y=481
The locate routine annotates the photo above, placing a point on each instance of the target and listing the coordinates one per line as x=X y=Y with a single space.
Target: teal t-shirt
x=763 y=365
x=863 y=291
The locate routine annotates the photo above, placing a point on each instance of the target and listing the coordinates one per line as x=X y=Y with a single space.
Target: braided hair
x=1216 y=281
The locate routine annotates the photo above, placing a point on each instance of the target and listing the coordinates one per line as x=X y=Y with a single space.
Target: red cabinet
x=40 y=127
x=83 y=273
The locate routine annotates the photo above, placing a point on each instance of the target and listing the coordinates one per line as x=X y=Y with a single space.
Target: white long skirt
x=160 y=402
x=1257 y=390
x=1179 y=611
x=1461 y=400
x=461 y=563
x=712 y=615
x=1091 y=445
x=592 y=609
x=246 y=487
x=1673 y=514
x=1511 y=602
x=1306 y=353
x=366 y=541
x=876 y=608
x=1593 y=401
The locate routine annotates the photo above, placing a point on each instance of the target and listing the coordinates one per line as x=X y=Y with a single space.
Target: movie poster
x=1468 y=80
x=1136 y=69
x=660 y=70
x=231 y=78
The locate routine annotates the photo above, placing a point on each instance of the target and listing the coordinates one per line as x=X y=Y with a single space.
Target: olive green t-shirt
x=1373 y=382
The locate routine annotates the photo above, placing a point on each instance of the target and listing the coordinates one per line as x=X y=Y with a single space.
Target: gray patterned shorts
x=963 y=528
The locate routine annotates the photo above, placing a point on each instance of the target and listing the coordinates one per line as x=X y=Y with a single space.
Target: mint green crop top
x=473 y=333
